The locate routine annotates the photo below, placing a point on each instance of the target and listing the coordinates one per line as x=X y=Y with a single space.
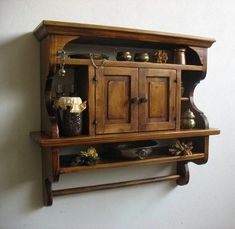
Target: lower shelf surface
x=119 y=164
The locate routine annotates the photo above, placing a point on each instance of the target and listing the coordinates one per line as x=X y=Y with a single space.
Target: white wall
x=206 y=202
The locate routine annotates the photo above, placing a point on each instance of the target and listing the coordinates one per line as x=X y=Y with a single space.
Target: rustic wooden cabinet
x=127 y=101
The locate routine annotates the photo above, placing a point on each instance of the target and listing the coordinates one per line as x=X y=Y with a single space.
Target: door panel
x=117 y=105
x=157 y=88
x=114 y=111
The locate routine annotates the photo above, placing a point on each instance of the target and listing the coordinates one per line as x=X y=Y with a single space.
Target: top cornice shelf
x=110 y=32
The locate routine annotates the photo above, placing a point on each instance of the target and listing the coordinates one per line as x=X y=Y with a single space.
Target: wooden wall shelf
x=127 y=101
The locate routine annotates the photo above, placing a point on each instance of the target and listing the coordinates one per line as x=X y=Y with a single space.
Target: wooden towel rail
x=182 y=178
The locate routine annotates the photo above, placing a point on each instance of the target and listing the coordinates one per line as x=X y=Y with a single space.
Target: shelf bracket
x=47 y=177
x=47 y=193
x=183 y=172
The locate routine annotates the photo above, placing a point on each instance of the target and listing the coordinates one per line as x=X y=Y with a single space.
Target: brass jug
x=179 y=56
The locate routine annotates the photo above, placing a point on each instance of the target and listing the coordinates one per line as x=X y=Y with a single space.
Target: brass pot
x=133 y=150
x=124 y=56
x=142 y=57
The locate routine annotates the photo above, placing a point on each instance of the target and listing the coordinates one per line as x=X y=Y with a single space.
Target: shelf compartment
x=114 y=63
x=129 y=163
x=44 y=141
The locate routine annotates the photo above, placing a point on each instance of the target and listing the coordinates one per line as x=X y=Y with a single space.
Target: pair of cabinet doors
x=135 y=99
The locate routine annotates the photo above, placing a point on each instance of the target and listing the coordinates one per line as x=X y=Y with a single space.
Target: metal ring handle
x=142 y=154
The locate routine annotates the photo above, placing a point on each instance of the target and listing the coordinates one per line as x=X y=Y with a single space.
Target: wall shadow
x=20 y=113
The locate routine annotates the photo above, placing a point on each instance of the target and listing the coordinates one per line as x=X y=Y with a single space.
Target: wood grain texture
x=48 y=58
x=112 y=63
x=132 y=163
x=190 y=80
x=44 y=141
x=55 y=164
x=99 y=31
x=118 y=99
x=205 y=146
x=48 y=119
x=91 y=99
x=183 y=171
x=70 y=191
x=115 y=88
x=178 y=99
x=158 y=86
x=47 y=177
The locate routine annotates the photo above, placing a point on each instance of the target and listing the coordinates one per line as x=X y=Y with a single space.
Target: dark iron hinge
x=95 y=78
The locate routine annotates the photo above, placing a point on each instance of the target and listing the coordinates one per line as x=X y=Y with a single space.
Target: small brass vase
x=188 y=120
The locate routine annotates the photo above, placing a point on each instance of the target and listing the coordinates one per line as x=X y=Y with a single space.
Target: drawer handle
x=143 y=100
x=135 y=100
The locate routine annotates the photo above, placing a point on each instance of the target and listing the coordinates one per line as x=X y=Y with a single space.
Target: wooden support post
x=183 y=171
x=46 y=177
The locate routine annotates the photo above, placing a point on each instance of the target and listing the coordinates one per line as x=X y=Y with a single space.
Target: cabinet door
x=116 y=100
x=157 y=92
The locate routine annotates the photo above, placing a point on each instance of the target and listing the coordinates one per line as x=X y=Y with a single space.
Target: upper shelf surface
x=96 y=32
x=136 y=64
